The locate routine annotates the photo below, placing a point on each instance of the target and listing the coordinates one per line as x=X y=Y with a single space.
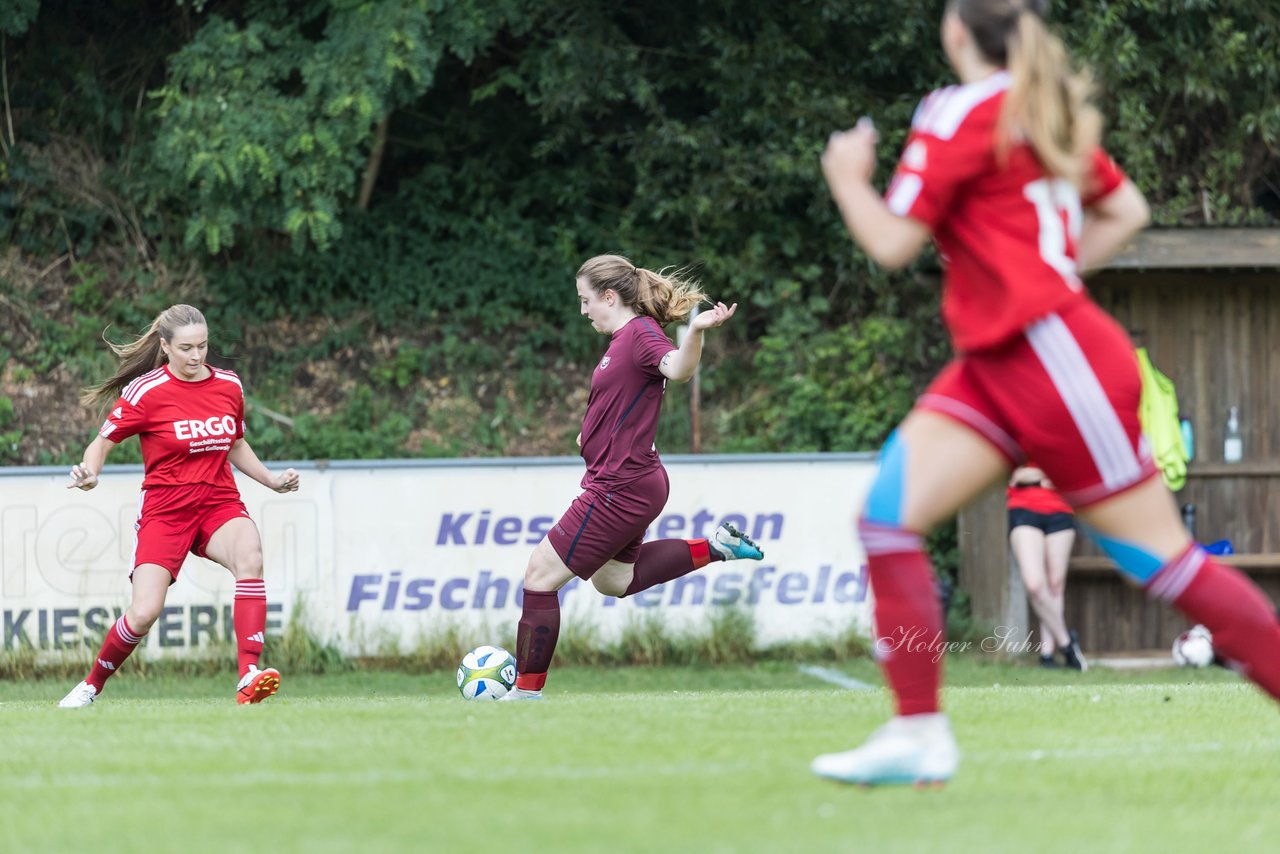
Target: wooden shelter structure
x=1206 y=304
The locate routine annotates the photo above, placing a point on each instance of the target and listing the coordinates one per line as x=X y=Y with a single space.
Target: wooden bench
x=1267 y=563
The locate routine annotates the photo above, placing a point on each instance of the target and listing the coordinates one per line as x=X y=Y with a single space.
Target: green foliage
x=264 y=125
x=17 y=15
x=818 y=389
x=298 y=650
x=523 y=138
x=1190 y=99
x=10 y=433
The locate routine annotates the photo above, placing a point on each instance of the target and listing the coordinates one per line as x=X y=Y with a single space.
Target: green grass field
x=633 y=759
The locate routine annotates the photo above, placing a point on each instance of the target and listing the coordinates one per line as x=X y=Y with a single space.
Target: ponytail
x=664 y=296
x=140 y=355
x=1047 y=102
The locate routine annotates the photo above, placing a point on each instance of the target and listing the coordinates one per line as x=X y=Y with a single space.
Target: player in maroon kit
x=1005 y=173
x=1042 y=530
x=625 y=486
x=189 y=417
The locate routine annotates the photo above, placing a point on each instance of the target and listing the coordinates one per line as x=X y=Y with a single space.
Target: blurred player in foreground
x=1004 y=171
x=189 y=417
x=600 y=537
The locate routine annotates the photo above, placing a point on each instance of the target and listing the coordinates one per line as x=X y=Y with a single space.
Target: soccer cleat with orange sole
x=257 y=685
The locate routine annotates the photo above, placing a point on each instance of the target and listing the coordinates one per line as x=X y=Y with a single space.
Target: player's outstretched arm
x=848 y=163
x=679 y=364
x=84 y=474
x=243 y=458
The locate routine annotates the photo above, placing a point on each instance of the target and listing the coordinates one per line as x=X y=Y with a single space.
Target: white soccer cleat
x=732 y=544
x=520 y=694
x=257 y=685
x=80 y=697
x=918 y=749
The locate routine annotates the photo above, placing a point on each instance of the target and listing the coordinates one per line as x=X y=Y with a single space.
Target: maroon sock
x=536 y=636
x=664 y=560
x=249 y=618
x=116 y=646
x=1243 y=622
x=908 y=616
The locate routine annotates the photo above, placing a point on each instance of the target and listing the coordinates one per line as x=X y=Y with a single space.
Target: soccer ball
x=486 y=673
x=1193 y=648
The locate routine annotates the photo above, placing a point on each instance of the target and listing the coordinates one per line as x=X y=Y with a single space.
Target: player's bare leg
x=1142 y=531
x=929 y=469
x=238 y=546
x=150 y=584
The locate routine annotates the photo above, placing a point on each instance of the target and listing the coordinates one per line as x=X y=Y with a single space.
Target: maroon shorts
x=175 y=520
x=1064 y=393
x=600 y=526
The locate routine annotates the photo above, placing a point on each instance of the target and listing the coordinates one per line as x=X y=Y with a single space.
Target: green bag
x=1158 y=413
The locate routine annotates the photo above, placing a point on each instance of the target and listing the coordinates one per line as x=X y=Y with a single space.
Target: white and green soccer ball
x=486 y=673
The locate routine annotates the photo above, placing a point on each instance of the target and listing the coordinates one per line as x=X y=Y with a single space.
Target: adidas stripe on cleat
x=257 y=685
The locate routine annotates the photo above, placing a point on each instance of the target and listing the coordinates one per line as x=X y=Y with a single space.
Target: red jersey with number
x=621 y=422
x=186 y=428
x=1006 y=229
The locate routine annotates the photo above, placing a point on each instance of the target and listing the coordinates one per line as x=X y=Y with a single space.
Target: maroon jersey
x=186 y=428
x=1007 y=231
x=622 y=411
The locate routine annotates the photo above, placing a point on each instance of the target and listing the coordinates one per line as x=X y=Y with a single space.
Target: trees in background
x=432 y=172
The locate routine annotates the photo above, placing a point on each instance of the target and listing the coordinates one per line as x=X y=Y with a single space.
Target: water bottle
x=1188 y=438
x=1189 y=518
x=1233 y=445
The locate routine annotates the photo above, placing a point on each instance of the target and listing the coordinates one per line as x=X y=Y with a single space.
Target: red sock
x=908 y=616
x=536 y=636
x=116 y=646
x=664 y=560
x=1243 y=622
x=249 y=618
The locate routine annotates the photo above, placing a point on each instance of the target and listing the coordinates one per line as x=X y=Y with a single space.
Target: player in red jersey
x=1004 y=172
x=601 y=535
x=1042 y=530
x=189 y=417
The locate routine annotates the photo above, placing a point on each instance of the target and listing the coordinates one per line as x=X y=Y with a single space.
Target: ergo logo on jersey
x=192 y=429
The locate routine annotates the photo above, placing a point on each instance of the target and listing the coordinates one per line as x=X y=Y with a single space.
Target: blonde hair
x=663 y=296
x=142 y=354
x=1048 y=101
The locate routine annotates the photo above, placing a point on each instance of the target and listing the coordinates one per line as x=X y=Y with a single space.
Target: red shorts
x=175 y=520
x=600 y=526
x=1064 y=393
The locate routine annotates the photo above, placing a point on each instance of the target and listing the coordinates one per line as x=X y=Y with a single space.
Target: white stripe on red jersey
x=230 y=376
x=139 y=390
x=141 y=380
x=942 y=112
